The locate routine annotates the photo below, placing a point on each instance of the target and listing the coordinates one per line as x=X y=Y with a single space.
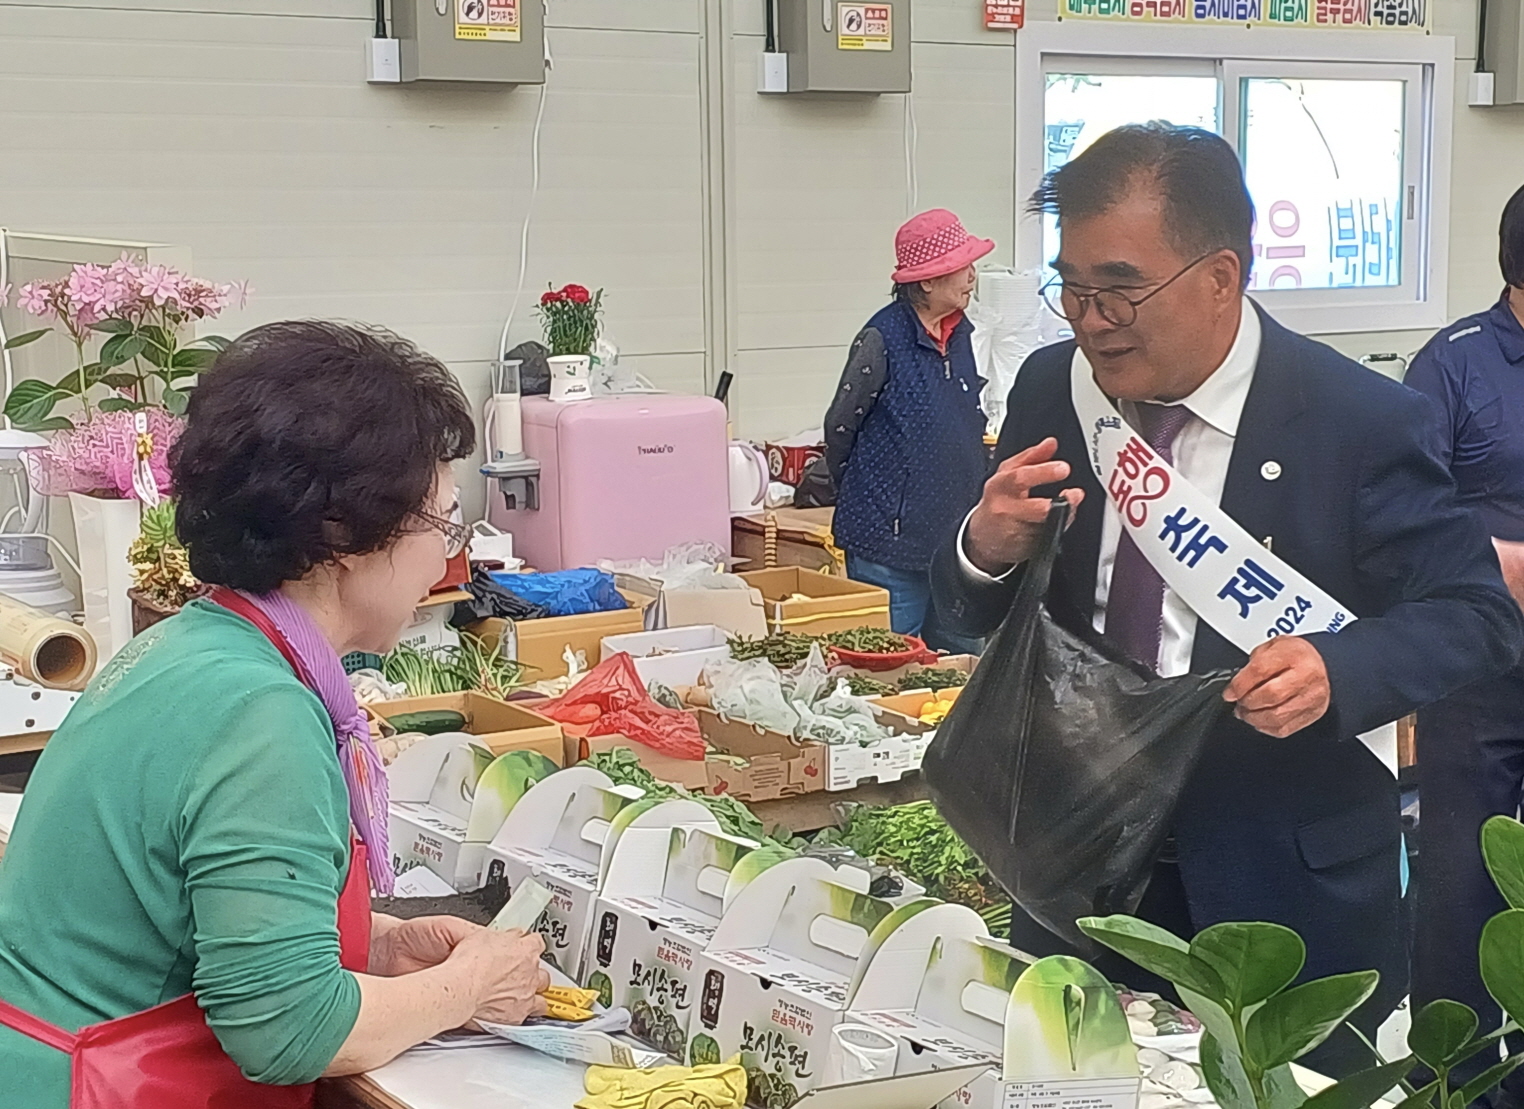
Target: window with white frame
x=1347 y=169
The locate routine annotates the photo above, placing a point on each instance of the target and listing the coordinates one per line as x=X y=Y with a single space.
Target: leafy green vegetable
x=471 y=666
x=934 y=679
x=783 y=650
x=915 y=840
x=863 y=686
x=868 y=641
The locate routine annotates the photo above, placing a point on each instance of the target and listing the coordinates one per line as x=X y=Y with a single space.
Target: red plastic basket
x=858 y=660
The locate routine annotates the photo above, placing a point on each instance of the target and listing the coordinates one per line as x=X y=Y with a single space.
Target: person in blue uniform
x=1471 y=745
x=904 y=434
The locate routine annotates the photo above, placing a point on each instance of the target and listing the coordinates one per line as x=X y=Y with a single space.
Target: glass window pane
x=1324 y=164
x=1081 y=107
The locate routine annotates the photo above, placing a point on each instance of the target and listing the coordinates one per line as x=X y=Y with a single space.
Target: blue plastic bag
x=566 y=592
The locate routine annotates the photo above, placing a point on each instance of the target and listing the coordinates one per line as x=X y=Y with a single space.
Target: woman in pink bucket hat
x=905 y=433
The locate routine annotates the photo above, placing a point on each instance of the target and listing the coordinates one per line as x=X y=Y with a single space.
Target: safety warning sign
x=1004 y=15
x=487 y=20
x=864 y=27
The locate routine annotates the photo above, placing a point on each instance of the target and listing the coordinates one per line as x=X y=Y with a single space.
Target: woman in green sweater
x=187 y=830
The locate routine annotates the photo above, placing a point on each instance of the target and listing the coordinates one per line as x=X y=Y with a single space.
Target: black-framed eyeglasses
x=457 y=535
x=1068 y=302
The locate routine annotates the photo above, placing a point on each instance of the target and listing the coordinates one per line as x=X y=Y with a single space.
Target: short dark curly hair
x=307 y=441
x=1195 y=173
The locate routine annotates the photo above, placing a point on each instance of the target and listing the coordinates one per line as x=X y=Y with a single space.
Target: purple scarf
x=364 y=772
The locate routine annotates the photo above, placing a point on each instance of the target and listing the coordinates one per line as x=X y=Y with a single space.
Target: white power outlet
x=772 y=73
x=1480 y=92
x=383 y=62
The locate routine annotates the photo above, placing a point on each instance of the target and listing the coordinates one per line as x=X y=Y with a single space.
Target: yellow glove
x=721 y=1086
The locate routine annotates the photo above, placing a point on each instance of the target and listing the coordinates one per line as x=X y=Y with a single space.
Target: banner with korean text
x=1403 y=15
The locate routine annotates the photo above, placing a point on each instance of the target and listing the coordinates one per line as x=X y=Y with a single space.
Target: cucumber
x=432 y=722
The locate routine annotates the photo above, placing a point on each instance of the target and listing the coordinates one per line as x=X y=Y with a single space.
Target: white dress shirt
x=1202 y=450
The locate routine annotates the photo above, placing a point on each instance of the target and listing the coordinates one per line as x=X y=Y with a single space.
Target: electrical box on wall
x=497 y=41
x=1504 y=50
x=836 y=46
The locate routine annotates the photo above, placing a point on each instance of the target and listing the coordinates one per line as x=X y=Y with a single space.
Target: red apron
x=167 y=1057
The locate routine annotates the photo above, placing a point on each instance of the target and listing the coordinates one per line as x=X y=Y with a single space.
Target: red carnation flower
x=576 y=294
x=551 y=297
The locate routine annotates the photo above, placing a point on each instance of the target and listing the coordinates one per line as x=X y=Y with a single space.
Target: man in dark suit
x=1288 y=817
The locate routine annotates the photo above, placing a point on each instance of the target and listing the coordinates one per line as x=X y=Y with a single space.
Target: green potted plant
x=1238 y=979
x=162 y=581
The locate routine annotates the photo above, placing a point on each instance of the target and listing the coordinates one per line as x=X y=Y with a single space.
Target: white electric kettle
x=748 y=479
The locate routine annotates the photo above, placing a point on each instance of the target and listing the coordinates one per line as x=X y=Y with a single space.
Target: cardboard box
x=542 y=644
x=673 y=656
x=735 y=611
x=902 y=711
x=661 y=902
x=449 y=796
x=562 y=834
x=813 y=603
x=496 y=725
x=782 y=969
x=691 y=774
x=775 y=766
x=849 y=765
x=981 y=1001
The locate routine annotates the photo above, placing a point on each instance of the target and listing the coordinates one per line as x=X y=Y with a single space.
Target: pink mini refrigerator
x=621 y=478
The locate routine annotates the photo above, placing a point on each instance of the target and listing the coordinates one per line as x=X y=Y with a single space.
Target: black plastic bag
x=534 y=372
x=489 y=599
x=1062 y=762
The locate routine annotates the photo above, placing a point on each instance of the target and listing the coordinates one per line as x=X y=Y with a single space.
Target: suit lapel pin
x=1270 y=470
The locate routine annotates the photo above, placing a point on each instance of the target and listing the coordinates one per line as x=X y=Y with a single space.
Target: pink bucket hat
x=934 y=244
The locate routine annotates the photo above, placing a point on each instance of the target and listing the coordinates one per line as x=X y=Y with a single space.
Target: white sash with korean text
x=1243 y=590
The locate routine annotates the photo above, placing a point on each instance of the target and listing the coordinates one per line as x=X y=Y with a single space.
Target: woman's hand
x=406 y=946
x=506 y=971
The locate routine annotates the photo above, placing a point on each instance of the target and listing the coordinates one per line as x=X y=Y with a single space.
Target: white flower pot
x=104 y=530
x=571 y=377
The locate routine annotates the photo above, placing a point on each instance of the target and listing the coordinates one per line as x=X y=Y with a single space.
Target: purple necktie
x=1135 y=604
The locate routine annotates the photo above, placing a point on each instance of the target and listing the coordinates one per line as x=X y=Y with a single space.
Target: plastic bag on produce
x=809 y=679
x=685 y=566
x=371 y=686
x=751 y=691
x=1061 y=765
x=566 y=592
x=839 y=718
x=611 y=700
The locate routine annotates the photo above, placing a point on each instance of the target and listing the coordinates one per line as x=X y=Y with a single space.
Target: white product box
x=431 y=628
x=673 y=656
x=662 y=900
x=781 y=970
x=562 y=834
x=449 y=796
x=953 y=996
x=849 y=765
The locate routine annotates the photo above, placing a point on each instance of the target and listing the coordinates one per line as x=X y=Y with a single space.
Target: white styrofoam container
x=686 y=651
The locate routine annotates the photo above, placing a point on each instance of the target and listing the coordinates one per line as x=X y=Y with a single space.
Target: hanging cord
x=1481 y=36
x=770 y=41
x=381 y=19
x=518 y=292
x=534 y=192
x=912 y=141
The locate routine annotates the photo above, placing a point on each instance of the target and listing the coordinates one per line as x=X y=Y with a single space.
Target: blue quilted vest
x=919 y=462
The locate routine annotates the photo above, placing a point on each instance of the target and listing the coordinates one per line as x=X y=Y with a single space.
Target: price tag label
x=1072 y=1093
